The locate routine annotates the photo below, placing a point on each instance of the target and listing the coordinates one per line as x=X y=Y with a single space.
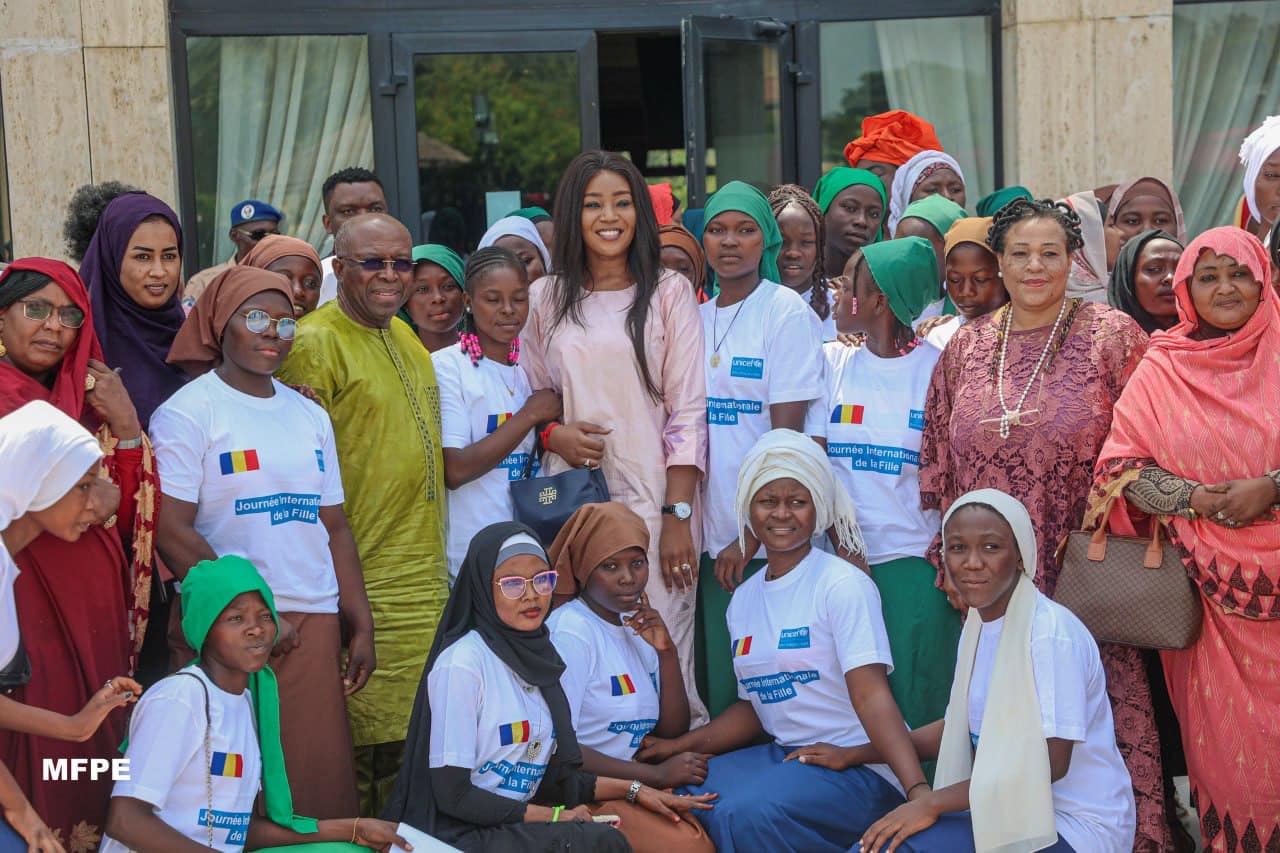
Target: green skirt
x=713 y=658
x=924 y=632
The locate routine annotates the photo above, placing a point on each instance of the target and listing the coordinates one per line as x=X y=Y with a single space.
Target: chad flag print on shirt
x=496 y=421
x=239 y=461
x=742 y=647
x=622 y=685
x=226 y=764
x=847 y=414
x=513 y=733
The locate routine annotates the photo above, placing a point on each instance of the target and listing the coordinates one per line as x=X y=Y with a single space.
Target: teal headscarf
x=906 y=271
x=989 y=204
x=533 y=214
x=745 y=198
x=206 y=591
x=437 y=254
x=840 y=179
x=939 y=211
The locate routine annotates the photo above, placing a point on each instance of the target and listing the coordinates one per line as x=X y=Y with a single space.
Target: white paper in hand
x=422 y=843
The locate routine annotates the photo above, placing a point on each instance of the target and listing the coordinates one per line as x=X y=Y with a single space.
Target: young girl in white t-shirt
x=811 y=660
x=491 y=760
x=762 y=353
x=1027 y=756
x=875 y=422
x=204 y=741
x=488 y=414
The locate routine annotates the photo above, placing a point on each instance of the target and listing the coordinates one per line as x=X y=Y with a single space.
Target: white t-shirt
x=828 y=325
x=169 y=770
x=10 y=636
x=610 y=679
x=933 y=309
x=486 y=718
x=875 y=423
x=474 y=401
x=793 y=640
x=1093 y=803
x=771 y=353
x=329 y=284
x=259 y=469
x=941 y=334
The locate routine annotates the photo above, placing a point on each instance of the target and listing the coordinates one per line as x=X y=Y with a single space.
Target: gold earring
x=3 y=351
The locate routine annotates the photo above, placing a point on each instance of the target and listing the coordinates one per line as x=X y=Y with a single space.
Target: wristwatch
x=634 y=790
x=680 y=510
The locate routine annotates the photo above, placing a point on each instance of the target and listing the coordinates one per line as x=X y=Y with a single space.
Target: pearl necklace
x=1011 y=417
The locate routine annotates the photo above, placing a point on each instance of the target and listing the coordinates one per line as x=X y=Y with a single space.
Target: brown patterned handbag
x=1128 y=589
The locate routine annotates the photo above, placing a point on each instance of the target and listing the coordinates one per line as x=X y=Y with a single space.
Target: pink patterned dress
x=1047 y=463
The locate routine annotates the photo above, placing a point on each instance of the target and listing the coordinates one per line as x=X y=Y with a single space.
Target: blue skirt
x=953 y=833
x=768 y=804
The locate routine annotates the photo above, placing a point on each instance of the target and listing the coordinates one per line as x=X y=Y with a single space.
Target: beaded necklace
x=1013 y=417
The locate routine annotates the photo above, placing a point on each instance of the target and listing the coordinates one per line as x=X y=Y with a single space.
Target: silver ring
x=1221 y=516
x=110 y=683
x=685 y=567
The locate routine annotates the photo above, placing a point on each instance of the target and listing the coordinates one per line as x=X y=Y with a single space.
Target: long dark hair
x=569 y=254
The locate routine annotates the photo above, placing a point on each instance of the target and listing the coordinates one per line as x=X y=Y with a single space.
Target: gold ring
x=89 y=382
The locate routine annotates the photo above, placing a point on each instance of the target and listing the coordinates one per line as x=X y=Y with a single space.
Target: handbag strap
x=533 y=455
x=208 y=755
x=1152 y=559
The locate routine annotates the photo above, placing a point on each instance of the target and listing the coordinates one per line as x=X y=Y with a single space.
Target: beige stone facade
x=87 y=96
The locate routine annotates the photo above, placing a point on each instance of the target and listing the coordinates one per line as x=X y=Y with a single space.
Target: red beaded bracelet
x=545 y=435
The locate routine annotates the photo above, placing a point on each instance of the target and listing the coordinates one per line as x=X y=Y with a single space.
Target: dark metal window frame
x=508 y=22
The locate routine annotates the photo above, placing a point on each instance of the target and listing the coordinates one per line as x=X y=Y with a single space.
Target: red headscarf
x=1206 y=410
x=893 y=137
x=664 y=203
x=16 y=387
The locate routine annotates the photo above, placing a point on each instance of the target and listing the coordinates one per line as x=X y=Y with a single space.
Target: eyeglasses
x=68 y=315
x=513 y=586
x=256 y=236
x=398 y=265
x=258 y=321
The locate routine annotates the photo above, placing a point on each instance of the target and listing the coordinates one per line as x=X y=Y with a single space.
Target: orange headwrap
x=664 y=203
x=893 y=137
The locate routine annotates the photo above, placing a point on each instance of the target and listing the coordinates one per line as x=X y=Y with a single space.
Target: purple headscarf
x=133 y=338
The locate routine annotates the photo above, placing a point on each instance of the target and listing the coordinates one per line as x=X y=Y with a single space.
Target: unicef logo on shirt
x=747 y=368
x=794 y=638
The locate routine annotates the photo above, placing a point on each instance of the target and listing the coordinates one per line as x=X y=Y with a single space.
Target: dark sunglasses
x=513 y=586
x=399 y=265
x=68 y=315
x=257 y=236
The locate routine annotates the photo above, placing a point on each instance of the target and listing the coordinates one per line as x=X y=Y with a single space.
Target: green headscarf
x=840 y=179
x=906 y=271
x=533 y=214
x=939 y=211
x=745 y=198
x=206 y=591
x=437 y=254
x=989 y=204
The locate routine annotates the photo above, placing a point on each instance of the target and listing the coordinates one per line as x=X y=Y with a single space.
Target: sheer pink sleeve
x=684 y=387
x=533 y=338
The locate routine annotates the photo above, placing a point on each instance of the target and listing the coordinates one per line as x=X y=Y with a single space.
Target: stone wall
x=86 y=88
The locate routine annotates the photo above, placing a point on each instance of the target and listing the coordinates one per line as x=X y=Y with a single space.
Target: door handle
x=392 y=85
x=800 y=75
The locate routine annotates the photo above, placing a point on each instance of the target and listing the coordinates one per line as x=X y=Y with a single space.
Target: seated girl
x=1027 y=756
x=622 y=671
x=812 y=660
x=491 y=761
x=203 y=742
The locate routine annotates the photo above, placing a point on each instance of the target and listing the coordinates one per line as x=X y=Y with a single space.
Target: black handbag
x=18 y=672
x=545 y=503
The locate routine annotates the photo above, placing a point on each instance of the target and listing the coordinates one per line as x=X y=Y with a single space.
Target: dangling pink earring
x=853 y=305
x=513 y=354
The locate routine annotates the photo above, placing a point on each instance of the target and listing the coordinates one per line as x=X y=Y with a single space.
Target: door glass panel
x=743 y=100
x=487 y=124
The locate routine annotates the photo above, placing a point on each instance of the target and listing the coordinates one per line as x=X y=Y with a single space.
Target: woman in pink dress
x=620 y=339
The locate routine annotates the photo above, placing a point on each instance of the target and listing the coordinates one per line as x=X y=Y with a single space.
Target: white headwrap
x=1089 y=274
x=1257 y=147
x=42 y=455
x=520 y=227
x=906 y=178
x=1010 y=790
x=783 y=453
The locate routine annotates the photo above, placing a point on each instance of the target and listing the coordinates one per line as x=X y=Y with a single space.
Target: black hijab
x=1122 y=290
x=530 y=654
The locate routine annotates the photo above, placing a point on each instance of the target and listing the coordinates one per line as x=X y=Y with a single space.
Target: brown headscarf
x=198 y=347
x=679 y=237
x=592 y=534
x=273 y=247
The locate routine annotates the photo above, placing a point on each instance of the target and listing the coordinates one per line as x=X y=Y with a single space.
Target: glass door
x=485 y=124
x=739 y=103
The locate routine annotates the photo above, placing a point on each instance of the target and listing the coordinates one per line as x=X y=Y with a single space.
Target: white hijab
x=906 y=178
x=42 y=455
x=1257 y=147
x=783 y=453
x=1010 y=792
x=1089 y=273
x=517 y=226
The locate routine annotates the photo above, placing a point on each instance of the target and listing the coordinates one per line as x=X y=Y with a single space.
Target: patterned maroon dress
x=1047 y=463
